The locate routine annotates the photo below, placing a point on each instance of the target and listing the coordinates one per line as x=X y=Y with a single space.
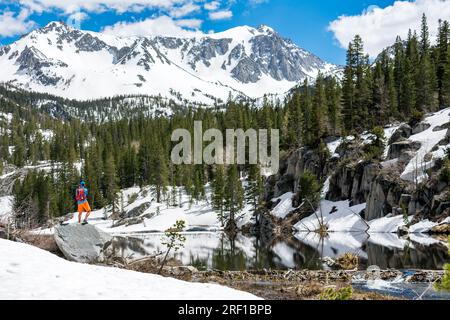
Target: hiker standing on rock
x=83 y=205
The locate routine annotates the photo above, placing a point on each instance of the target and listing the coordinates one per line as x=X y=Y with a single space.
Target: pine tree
x=110 y=184
x=292 y=130
x=218 y=192
x=442 y=61
x=234 y=197
x=362 y=85
x=348 y=92
x=445 y=92
x=424 y=36
x=356 y=90
x=408 y=92
x=379 y=110
x=159 y=172
x=333 y=96
x=318 y=114
x=398 y=69
x=254 y=189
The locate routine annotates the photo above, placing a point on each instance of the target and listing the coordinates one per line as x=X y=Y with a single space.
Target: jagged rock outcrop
x=420 y=127
x=353 y=181
x=430 y=199
x=404 y=131
x=293 y=166
x=384 y=197
x=403 y=150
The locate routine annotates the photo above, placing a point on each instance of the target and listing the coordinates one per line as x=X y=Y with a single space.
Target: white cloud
x=76 y=18
x=379 y=27
x=189 y=23
x=221 y=15
x=12 y=24
x=160 y=26
x=211 y=6
x=101 y=5
x=184 y=10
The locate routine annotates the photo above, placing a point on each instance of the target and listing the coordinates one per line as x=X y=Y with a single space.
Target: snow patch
x=338 y=216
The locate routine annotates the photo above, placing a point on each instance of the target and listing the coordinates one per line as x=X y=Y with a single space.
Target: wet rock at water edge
x=441 y=229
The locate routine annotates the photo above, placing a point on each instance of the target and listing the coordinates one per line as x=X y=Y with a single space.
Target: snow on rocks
x=425 y=226
x=337 y=216
x=284 y=206
x=60 y=279
x=429 y=138
x=387 y=224
x=333 y=145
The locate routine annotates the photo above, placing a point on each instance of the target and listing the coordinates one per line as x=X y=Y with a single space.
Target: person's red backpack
x=80 y=195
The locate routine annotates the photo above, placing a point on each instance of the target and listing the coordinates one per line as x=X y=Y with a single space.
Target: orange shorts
x=84 y=207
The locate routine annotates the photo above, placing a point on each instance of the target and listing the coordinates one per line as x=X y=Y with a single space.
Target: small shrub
x=309 y=186
x=375 y=149
x=416 y=117
x=173 y=240
x=445 y=172
x=345 y=293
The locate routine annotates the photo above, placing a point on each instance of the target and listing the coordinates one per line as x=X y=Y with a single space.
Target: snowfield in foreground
x=27 y=272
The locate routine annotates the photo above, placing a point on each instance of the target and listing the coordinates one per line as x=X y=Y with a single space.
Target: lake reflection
x=303 y=251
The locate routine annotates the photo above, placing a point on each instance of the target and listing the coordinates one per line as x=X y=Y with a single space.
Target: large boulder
x=420 y=127
x=403 y=132
x=403 y=149
x=82 y=243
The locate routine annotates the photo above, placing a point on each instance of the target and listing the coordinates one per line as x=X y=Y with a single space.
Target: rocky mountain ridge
x=240 y=62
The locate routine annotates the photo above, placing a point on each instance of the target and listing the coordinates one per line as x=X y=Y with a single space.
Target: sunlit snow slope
x=241 y=62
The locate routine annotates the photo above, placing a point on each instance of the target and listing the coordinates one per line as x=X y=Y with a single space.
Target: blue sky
x=322 y=27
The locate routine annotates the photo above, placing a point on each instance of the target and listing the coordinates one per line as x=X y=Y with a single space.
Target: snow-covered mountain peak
x=242 y=61
x=265 y=29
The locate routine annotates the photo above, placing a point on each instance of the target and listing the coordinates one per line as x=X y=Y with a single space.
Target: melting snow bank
x=284 y=206
x=391 y=224
x=337 y=216
x=27 y=272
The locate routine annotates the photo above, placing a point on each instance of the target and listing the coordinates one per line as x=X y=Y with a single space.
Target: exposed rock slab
x=81 y=243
